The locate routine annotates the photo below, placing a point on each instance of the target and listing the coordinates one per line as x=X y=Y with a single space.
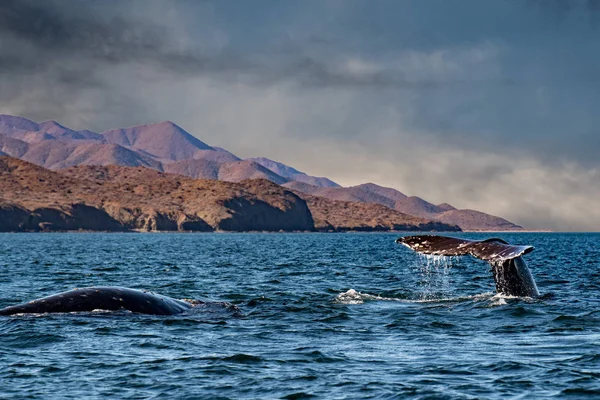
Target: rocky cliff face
x=116 y=198
x=122 y=198
x=14 y=218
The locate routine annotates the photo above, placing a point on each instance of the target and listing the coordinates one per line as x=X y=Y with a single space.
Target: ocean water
x=323 y=316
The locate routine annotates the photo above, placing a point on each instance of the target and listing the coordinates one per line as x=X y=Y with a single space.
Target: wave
x=353 y=296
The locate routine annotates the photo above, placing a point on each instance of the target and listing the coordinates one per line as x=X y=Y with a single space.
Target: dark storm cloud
x=70 y=31
x=36 y=33
x=97 y=29
x=64 y=59
x=56 y=57
x=63 y=28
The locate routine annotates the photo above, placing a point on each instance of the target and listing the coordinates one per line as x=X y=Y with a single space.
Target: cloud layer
x=486 y=105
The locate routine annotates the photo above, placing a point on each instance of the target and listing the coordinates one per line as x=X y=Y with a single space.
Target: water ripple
x=311 y=316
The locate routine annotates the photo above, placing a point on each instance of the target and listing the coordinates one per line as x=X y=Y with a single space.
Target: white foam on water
x=354 y=297
x=499 y=299
x=475 y=297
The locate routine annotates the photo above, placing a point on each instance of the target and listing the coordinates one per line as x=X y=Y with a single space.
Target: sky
x=489 y=105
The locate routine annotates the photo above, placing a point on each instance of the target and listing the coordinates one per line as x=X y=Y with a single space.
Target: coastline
x=374 y=231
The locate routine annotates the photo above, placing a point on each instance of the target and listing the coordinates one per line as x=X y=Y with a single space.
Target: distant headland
x=159 y=177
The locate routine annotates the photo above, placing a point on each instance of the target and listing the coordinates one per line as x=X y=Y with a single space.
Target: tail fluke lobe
x=511 y=274
x=487 y=250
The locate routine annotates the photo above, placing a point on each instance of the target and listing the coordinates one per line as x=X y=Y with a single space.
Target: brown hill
x=56 y=154
x=216 y=154
x=246 y=169
x=107 y=154
x=10 y=124
x=476 y=221
x=303 y=187
x=292 y=174
x=164 y=140
x=336 y=215
x=413 y=205
x=353 y=193
x=328 y=215
x=445 y=207
x=31 y=132
x=198 y=169
x=60 y=132
x=66 y=149
x=125 y=198
x=417 y=206
x=381 y=191
x=235 y=171
x=13 y=147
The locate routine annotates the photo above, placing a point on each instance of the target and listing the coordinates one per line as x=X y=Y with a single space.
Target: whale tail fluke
x=493 y=249
x=511 y=274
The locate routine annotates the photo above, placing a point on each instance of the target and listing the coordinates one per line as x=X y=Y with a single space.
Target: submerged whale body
x=108 y=298
x=511 y=274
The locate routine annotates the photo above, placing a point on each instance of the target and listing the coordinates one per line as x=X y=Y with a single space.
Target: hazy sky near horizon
x=490 y=105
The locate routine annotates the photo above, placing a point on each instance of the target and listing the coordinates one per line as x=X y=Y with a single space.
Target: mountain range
x=117 y=198
x=166 y=147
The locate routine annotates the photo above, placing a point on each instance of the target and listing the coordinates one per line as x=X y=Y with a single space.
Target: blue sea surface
x=323 y=315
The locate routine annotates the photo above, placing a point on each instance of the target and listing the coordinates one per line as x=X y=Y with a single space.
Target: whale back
x=101 y=298
x=511 y=274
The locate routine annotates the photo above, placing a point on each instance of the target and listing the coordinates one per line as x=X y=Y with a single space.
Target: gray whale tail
x=109 y=298
x=511 y=274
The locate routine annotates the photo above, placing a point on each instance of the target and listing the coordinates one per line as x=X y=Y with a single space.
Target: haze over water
x=325 y=315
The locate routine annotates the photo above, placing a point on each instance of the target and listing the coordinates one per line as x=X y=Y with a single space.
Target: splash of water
x=434 y=271
x=355 y=297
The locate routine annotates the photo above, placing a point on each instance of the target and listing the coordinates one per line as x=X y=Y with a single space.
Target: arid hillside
x=411 y=205
x=117 y=198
